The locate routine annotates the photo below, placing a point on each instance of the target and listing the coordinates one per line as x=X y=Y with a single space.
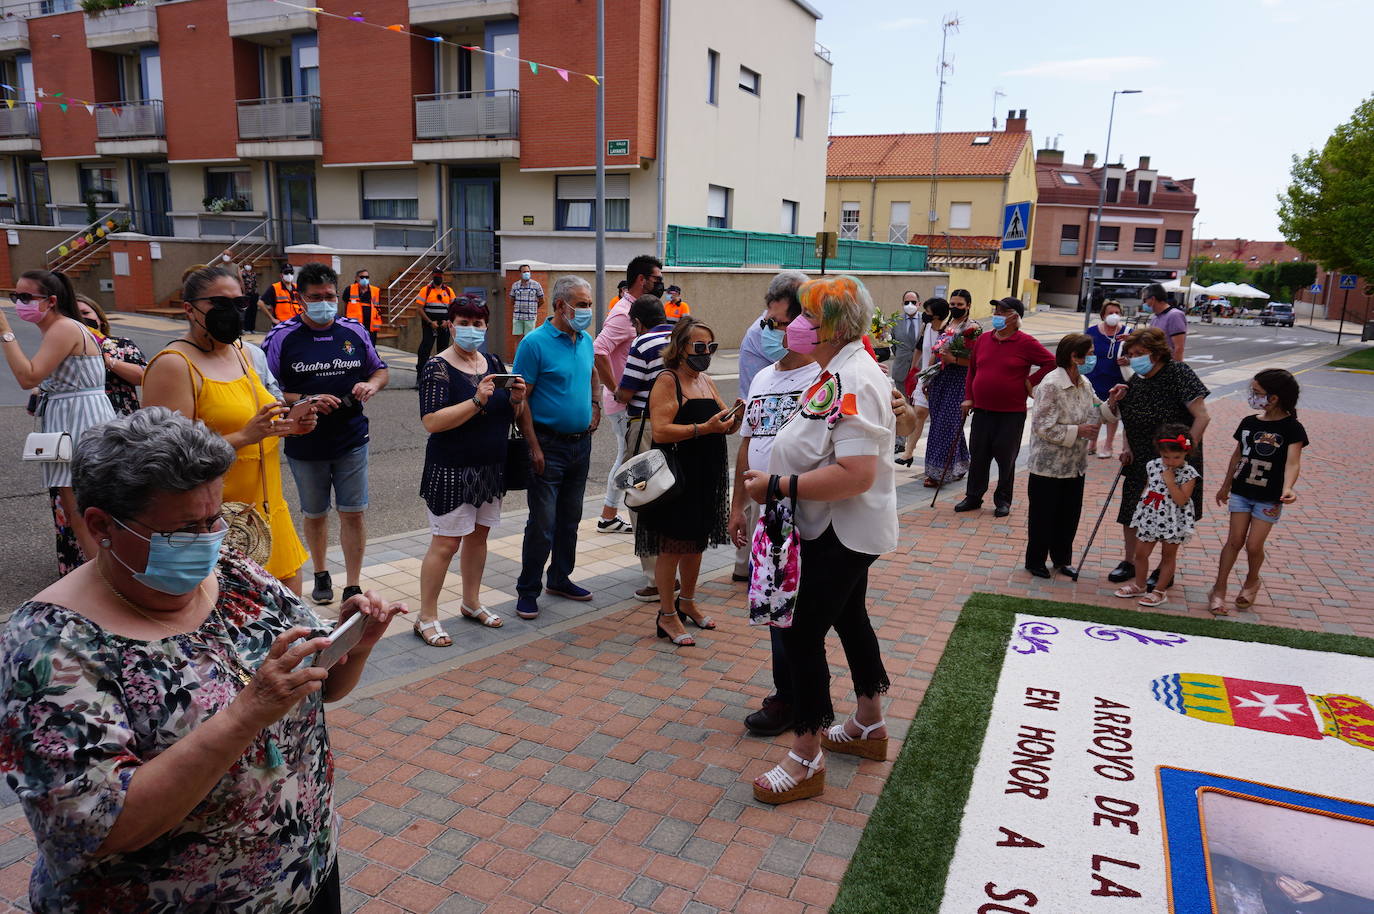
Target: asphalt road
x=398 y=441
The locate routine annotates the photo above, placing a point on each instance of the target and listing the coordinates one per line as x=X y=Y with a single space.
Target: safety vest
x=676 y=311
x=432 y=295
x=284 y=303
x=358 y=299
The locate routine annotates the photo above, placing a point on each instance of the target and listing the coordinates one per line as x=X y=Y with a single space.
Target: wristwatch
x=7 y=337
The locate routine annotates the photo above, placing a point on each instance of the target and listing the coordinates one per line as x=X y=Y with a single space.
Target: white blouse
x=846 y=413
x=1060 y=408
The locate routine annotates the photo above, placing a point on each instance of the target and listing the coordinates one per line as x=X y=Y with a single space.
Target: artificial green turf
x=903 y=858
x=1360 y=358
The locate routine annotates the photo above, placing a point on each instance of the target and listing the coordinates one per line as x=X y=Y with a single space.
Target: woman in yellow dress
x=206 y=375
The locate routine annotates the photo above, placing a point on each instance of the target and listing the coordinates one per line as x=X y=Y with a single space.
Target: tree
x=1328 y=210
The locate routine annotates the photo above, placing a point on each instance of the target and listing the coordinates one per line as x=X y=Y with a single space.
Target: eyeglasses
x=23 y=298
x=237 y=302
x=318 y=299
x=769 y=323
x=700 y=348
x=186 y=536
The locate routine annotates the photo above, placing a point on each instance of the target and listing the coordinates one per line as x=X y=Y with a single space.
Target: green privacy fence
x=691 y=246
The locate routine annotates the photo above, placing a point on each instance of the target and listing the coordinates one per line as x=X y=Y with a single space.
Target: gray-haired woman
x=160 y=725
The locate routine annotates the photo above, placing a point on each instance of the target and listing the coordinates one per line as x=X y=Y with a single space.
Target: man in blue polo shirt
x=561 y=390
x=320 y=353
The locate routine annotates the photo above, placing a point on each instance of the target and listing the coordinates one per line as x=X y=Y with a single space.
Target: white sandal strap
x=814 y=764
x=838 y=734
x=432 y=624
x=778 y=779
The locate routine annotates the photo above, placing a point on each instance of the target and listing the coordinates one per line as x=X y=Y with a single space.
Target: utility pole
x=996 y=94
x=600 y=217
x=1096 y=228
x=932 y=213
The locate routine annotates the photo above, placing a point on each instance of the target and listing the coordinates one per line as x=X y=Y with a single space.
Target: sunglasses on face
x=769 y=323
x=700 y=348
x=237 y=302
x=23 y=298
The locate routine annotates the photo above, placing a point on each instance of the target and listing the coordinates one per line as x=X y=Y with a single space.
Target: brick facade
x=556 y=117
x=198 y=100
x=62 y=63
x=135 y=290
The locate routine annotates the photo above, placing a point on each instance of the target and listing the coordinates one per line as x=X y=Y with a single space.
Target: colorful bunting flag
x=395 y=28
x=9 y=103
x=40 y=93
x=90 y=109
x=437 y=39
x=38 y=106
x=594 y=79
x=6 y=86
x=562 y=73
x=534 y=67
x=63 y=106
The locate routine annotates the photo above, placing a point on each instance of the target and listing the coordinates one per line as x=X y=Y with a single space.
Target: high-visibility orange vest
x=435 y=295
x=676 y=311
x=285 y=304
x=358 y=299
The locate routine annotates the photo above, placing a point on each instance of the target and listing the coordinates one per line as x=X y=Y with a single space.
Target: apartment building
x=946 y=191
x=1147 y=227
x=216 y=121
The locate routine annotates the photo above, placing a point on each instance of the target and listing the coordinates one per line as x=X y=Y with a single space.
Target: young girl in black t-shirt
x=1259 y=480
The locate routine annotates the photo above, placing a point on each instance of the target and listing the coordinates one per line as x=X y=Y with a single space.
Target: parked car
x=1277 y=313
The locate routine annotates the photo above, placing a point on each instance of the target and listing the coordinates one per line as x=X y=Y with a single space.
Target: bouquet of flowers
x=880 y=327
x=958 y=345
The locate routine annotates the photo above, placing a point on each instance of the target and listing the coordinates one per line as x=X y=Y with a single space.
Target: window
x=1143 y=190
x=1144 y=241
x=1113 y=189
x=1068 y=240
x=788 y=226
x=749 y=80
x=717 y=206
x=391 y=194
x=230 y=184
x=98 y=184
x=801 y=115
x=1108 y=237
x=1069 y=179
x=960 y=215
x=981 y=140
x=849 y=220
x=1173 y=244
x=576 y=202
x=309 y=62
x=712 y=77
x=899 y=222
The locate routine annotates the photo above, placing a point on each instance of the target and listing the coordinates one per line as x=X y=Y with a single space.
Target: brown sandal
x=1216 y=605
x=1246 y=598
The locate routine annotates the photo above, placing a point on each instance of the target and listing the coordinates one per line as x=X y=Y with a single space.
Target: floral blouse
x=1060 y=408
x=83 y=708
x=123 y=395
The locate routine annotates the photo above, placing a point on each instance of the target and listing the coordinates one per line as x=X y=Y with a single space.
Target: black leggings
x=327 y=900
x=831 y=593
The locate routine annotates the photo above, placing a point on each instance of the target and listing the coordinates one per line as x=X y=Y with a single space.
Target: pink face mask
x=30 y=310
x=801 y=336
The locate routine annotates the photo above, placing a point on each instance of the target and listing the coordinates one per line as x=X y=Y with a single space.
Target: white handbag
x=645 y=478
x=48 y=447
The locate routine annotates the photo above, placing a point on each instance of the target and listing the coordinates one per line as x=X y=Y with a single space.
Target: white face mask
x=1112 y=320
x=911 y=308
x=525 y=275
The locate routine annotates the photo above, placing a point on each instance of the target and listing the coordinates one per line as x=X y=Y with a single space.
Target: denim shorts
x=1267 y=511
x=346 y=475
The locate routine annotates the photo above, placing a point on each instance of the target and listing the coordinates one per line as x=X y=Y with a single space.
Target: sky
x=1232 y=89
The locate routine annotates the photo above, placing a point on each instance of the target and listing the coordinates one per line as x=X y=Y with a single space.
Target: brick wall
x=64 y=64
x=557 y=118
x=135 y=290
x=199 y=99
x=367 y=84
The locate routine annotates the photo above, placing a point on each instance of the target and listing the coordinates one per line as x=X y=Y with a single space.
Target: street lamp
x=1101 y=200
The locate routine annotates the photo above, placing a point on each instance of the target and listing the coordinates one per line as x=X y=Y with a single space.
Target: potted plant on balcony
x=96 y=7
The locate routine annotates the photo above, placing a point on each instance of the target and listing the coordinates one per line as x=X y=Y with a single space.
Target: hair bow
x=1180 y=441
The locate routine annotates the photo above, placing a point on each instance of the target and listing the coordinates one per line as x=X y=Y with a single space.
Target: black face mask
x=92 y=323
x=225 y=325
x=698 y=363
x=927 y=318
x=657 y=290
x=958 y=312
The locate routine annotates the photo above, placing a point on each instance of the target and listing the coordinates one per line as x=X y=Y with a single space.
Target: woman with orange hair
x=832 y=458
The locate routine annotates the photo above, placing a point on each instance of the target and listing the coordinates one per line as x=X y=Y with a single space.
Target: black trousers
x=831 y=594
x=327 y=900
x=1052 y=519
x=432 y=339
x=993 y=436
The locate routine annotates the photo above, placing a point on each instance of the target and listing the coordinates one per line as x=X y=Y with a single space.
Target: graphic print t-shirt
x=329 y=361
x=774 y=396
x=1264 y=456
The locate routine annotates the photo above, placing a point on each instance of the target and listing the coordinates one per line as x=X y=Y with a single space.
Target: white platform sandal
x=784 y=788
x=837 y=739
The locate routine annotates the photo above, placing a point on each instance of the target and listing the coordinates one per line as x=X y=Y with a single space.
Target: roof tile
x=902 y=154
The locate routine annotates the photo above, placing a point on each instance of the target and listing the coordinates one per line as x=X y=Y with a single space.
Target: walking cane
x=949 y=462
x=1103 y=513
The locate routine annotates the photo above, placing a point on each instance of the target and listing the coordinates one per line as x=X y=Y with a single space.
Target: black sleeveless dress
x=698 y=517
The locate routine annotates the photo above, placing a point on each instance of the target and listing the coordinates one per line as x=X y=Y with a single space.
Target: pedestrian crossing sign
x=1016 y=226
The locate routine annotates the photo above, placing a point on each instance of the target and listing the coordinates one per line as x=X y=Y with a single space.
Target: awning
x=957 y=261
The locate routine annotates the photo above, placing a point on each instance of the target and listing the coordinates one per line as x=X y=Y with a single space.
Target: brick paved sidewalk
x=582 y=765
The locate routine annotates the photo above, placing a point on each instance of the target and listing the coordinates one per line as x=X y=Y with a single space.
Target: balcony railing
x=492 y=114
x=291 y=118
x=19 y=121
x=129 y=120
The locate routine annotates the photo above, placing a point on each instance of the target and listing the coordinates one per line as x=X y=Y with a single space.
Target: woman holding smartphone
x=687 y=416
x=206 y=375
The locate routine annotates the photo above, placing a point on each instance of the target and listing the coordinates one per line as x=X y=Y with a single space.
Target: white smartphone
x=342 y=640
x=503 y=381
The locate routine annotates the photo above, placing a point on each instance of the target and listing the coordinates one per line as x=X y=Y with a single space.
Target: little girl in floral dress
x=1164 y=514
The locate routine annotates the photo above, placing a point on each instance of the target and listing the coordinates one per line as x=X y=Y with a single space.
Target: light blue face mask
x=772 y=341
x=581 y=319
x=1089 y=364
x=178 y=569
x=322 y=312
x=1141 y=364
x=999 y=322
x=469 y=339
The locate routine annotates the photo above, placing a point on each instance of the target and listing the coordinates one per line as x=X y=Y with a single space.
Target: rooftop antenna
x=950 y=24
x=834 y=111
x=996 y=94
x=1057 y=138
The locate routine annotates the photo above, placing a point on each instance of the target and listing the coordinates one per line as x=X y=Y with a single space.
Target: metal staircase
x=405 y=286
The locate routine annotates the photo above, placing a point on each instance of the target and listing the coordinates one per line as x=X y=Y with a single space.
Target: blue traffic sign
x=1016 y=226
x=1348 y=280
x=1316 y=287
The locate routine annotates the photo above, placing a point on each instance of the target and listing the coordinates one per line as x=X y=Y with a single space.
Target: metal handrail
x=401 y=291
x=247 y=248
x=54 y=259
